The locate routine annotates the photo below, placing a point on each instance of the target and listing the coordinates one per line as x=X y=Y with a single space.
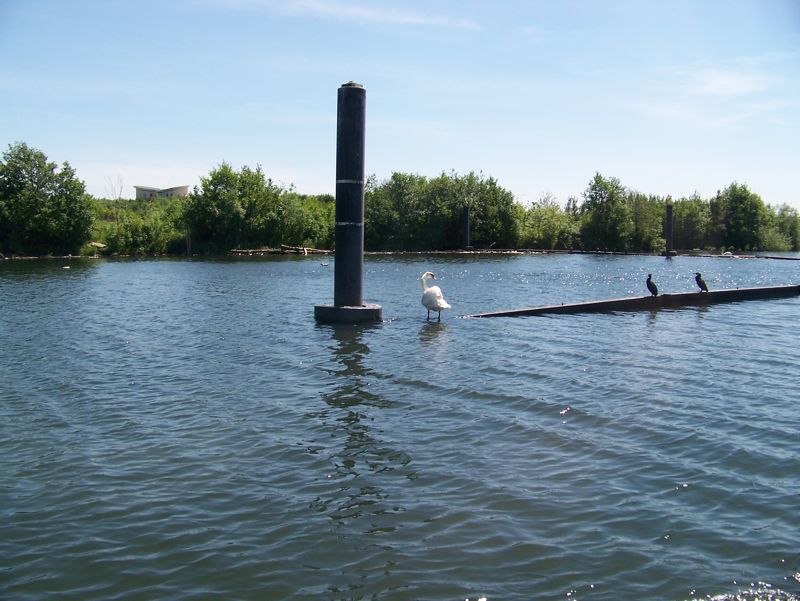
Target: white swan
x=432 y=298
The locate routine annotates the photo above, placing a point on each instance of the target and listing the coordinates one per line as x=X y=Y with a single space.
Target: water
x=175 y=429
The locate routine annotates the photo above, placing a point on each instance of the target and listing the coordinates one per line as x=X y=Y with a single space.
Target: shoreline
x=262 y=252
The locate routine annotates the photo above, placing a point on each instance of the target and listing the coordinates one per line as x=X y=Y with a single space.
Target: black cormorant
x=700 y=282
x=651 y=285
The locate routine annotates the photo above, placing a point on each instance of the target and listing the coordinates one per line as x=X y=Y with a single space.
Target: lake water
x=182 y=429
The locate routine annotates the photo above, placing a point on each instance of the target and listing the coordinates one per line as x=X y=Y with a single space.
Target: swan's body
x=651 y=285
x=701 y=282
x=432 y=298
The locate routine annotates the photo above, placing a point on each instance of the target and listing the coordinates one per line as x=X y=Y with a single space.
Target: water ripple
x=182 y=429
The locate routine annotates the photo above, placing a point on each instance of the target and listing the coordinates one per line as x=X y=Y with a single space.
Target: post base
x=362 y=314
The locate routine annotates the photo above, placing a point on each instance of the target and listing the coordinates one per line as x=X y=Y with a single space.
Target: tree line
x=44 y=209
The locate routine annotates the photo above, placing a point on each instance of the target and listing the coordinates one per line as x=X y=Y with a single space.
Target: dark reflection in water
x=361 y=459
x=432 y=330
x=41 y=269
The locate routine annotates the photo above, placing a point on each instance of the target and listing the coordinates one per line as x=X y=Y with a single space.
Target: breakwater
x=652 y=303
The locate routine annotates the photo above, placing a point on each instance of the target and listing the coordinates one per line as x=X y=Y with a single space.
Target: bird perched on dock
x=432 y=298
x=700 y=282
x=651 y=285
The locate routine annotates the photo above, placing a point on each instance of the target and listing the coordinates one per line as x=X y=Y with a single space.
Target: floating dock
x=653 y=303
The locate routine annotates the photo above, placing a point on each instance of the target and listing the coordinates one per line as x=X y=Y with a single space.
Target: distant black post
x=467 y=245
x=670 y=252
x=348 y=306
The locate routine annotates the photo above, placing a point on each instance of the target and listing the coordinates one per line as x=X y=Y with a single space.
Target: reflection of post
x=349 y=268
x=356 y=492
x=350 y=352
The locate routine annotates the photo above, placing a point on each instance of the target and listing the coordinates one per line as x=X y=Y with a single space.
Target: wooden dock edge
x=652 y=303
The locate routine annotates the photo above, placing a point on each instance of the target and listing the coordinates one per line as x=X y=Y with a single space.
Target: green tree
x=214 y=213
x=744 y=216
x=497 y=215
x=382 y=220
x=691 y=219
x=411 y=212
x=262 y=212
x=647 y=215
x=787 y=223
x=607 y=221
x=289 y=226
x=43 y=209
x=246 y=209
x=131 y=227
x=441 y=212
x=394 y=213
x=318 y=215
x=772 y=236
x=545 y=225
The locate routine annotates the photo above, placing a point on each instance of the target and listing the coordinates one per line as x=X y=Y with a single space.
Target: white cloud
x=723 y=93
x=727 y=83
x=773 y=108
x=352 y=12
x=534 y=32
x=735 y=77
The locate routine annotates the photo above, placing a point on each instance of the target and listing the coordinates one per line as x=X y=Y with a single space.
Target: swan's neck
x=425 y=283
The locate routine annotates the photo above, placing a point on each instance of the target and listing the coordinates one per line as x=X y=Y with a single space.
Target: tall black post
x=348 y=306
x=670 y=252
x=351 y=121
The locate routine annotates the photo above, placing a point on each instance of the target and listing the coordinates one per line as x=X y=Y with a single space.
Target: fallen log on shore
x=283 y=250
x=303 y=250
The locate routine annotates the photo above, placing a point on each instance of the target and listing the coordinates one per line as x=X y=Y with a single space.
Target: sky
x=671 y=97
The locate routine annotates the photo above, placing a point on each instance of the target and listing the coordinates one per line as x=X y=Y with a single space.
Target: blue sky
x=671 y=97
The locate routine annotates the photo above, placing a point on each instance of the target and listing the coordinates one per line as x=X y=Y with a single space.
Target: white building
x=146 y=192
